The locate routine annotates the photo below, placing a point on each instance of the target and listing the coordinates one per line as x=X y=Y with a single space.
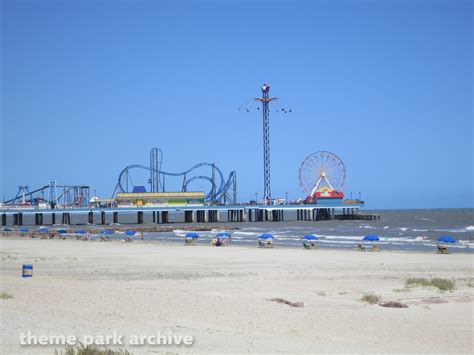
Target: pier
x=187 y=214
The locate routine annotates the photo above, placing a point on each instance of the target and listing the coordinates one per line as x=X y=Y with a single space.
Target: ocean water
x=416 y=230
x=409 y=230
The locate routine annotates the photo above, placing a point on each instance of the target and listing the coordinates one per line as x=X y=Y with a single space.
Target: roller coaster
x=53 y=195
x=221 y=191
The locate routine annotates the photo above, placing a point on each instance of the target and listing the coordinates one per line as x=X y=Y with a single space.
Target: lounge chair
x=265 y=243
x=189 y=241
x=375 y=248
x=309 y=244
x=443 y=249
x=360 y=247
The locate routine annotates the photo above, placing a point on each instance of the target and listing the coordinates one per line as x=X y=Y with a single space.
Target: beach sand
x=221 y=297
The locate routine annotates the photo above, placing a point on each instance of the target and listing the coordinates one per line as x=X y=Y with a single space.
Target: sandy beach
x=222 y=297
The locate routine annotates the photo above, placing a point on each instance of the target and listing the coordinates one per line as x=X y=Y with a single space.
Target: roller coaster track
x=220 y=189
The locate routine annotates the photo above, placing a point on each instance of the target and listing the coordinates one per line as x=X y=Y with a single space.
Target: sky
x=89 y=87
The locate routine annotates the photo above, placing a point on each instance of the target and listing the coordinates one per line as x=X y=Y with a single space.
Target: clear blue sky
x=89 y=87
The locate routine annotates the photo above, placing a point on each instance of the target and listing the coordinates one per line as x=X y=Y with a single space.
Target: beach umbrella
x=223 y=235
x=80 y=231
x=43 y=230
x=192 y=235
x=371 y=238
x=130 y=232
x=266 y=236
x=62 y=231
x=6 y=229
x=24 y=230
x=106 y=231
x=310 y=237
x=447 y=239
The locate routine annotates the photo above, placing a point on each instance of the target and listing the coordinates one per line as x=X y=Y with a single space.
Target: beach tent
x=130 y=232
x=24 y=230
x=80 y=231
x=265 y=241
x=223 y=235
x=309 y=241
x=106 y=231
x=43 y=230
x=191 y=238
x=371 y=238
x=447 y=239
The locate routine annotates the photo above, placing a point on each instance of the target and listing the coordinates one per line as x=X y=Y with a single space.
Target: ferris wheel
x=322 y=171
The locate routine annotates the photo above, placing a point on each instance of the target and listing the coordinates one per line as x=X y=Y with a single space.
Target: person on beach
x=218 y=242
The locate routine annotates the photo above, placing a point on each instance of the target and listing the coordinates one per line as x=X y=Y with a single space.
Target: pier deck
x=199 y=214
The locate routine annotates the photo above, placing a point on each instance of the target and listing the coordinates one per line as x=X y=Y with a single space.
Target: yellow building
x=191 y=198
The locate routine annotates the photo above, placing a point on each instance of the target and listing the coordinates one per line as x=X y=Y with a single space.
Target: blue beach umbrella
x=24 y=230
x=223 y=235
x=6 y=229
x=447 y=239
x=266 y=236
x=130 y=232
x=62 y=231
x=192 y=235
x=310 y=237
x=43 y=230
x=80 y=231
x=106 y=231
x=371 y=238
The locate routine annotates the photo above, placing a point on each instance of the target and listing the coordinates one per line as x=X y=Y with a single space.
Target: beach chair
x=309 y=244
x=189 y=241
x=265 y=243
x=443 y=249
x=375 y=248
x=360 y=247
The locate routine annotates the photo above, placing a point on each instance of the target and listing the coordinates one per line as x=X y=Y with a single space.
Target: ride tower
x=265 y=100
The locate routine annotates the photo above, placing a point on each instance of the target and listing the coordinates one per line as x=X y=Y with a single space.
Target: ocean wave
x=470 y=228
x=246 y=233
x=403 y=229
x=468 y=243
x=457 y=230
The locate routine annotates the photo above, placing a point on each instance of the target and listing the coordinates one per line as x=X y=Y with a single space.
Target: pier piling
x=90 y=218
x=139 y=217
x=38 y=219
x=66 y=218
x=188 y=216
x=4 y=219
x=102 y=217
